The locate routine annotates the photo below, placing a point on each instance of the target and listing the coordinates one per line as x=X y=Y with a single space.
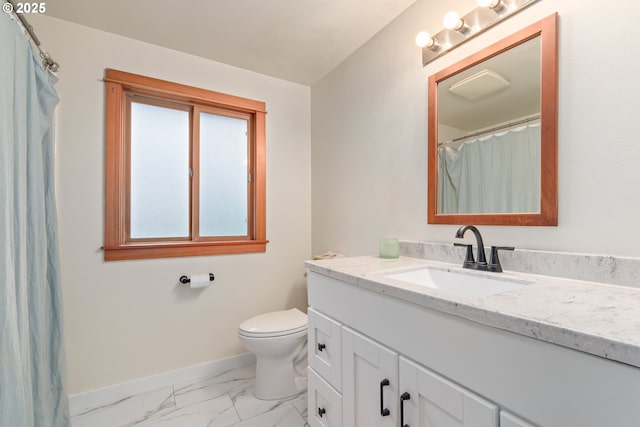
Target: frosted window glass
x=223 y=176
x=159 y=172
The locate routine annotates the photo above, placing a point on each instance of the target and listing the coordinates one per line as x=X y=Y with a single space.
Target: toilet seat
x=274 y=324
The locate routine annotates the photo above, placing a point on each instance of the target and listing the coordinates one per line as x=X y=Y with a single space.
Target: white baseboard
x=106 y=395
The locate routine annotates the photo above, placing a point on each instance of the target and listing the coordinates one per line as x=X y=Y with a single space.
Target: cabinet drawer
x=324 y=403
x=325 y=348
x=510 y=420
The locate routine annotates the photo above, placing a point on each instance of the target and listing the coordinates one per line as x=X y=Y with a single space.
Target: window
x=185 y=170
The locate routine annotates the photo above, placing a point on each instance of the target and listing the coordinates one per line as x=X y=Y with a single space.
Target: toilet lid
x=275 y=323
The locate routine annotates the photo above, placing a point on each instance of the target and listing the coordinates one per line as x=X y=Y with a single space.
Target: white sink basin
x=457 y=283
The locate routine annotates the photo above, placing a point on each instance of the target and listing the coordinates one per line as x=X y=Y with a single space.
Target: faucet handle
x=469 y=261
x=494 y=264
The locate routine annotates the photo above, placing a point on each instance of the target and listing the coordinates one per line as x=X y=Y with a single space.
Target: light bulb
x=423 y=38
x=484 y=3
x=451 y=20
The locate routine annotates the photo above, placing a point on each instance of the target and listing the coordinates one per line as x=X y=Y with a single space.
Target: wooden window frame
x=117 y=243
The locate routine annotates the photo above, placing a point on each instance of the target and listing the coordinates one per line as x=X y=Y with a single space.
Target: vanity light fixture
x=458 y=30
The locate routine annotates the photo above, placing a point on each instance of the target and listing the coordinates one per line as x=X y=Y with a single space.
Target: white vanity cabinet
x=383 y=389
x=376 y=348
x=354 y=381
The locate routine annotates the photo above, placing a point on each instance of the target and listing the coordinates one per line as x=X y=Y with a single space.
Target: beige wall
x=129 y=319
x=369 y=134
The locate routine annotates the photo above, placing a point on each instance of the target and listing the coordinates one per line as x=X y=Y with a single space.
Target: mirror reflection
x=489 y=135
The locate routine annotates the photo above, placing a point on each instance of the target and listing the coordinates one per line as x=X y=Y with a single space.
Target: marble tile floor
x=220 y=401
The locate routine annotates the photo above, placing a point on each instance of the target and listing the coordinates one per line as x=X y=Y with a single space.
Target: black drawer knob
x=321 y=412
x=321 y=347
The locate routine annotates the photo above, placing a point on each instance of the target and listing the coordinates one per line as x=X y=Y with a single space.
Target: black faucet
x=469 y=262
x=481 y=264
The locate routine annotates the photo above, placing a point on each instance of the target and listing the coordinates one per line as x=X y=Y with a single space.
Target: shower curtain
x=32 y=369
x=499 y=173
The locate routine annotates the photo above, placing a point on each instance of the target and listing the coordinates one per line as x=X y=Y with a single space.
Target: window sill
x=182 y=249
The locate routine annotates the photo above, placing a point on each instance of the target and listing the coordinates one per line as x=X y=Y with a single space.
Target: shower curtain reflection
x=32 y=374
x=499 y=173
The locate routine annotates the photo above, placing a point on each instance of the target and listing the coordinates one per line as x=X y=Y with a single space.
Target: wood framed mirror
x=493 y=133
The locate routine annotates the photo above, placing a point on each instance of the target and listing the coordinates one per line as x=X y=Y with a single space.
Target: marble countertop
x=600 y=319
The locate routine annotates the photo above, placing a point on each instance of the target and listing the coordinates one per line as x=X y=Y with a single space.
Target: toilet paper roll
x=199 y=280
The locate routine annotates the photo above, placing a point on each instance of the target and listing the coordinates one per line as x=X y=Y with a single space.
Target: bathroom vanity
x=387 y=349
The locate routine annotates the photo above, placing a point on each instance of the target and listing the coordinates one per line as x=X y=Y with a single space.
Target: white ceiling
x=296 y=40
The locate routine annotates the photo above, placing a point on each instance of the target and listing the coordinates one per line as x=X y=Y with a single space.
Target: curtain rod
x=494 y=129
x=49 y=63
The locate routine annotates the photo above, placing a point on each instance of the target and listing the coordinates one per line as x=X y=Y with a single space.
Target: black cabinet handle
x=321 y=412
x=321 y=347
x=383 y=411
x=404 y=396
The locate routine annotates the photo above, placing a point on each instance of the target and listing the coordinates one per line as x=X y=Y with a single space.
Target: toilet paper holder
x=186 y=279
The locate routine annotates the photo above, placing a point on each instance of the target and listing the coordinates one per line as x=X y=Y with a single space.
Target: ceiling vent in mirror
x=478 y=85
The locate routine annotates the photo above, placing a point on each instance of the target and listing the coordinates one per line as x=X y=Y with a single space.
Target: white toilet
x=275 y=338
